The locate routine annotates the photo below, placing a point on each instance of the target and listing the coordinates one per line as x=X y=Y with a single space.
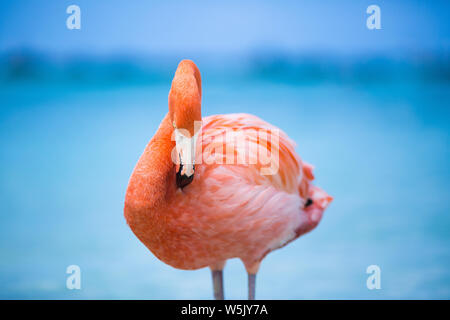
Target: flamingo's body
x=228 y=210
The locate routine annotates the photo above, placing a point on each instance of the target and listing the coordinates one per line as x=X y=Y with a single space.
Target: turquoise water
x=382 y=151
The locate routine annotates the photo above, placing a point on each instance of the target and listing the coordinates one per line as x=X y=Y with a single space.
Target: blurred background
x=369 y=108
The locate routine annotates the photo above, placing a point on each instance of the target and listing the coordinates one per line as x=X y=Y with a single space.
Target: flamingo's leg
x=251 y=286
x=217 y=279
x=252 y=268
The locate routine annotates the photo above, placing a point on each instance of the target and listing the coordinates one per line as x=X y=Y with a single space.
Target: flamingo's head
x=316 y=203
x=185 y=114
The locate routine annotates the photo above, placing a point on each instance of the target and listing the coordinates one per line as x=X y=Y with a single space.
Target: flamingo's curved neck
x=154 y=175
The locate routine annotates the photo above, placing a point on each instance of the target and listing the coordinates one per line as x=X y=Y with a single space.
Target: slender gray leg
x=251 y=286
x=217 y=278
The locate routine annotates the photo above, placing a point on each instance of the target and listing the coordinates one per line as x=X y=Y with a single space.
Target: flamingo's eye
x=308 y=202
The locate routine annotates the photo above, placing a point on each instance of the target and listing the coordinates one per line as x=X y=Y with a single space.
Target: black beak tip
x=183 y=180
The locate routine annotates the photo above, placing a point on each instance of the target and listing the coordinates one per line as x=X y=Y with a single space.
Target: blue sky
x=234 y=27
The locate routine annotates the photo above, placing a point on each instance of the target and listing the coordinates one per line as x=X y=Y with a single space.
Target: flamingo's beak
x=186 y=146
x=182 y=179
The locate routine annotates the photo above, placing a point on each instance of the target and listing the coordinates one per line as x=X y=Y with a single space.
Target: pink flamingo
x=194 y=216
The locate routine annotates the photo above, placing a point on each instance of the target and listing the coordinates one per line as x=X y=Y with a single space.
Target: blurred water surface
x=381 y=149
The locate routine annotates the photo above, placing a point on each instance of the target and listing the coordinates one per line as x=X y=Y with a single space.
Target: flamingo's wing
x=246 y=140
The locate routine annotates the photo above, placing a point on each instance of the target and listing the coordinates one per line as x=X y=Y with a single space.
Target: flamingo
x=193 y=214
